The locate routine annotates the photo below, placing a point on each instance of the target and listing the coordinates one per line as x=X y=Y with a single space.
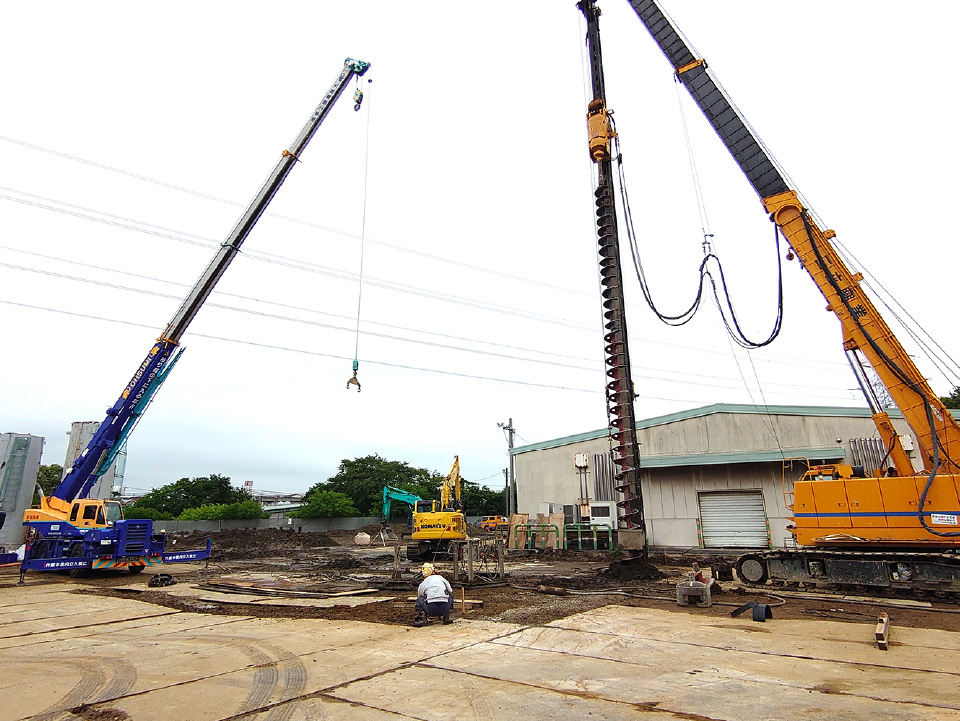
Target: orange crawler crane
x=884 y=529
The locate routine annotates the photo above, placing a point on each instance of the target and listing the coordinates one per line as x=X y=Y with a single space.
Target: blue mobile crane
x=71 y=532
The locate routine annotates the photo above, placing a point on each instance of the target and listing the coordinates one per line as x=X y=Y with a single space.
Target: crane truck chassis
x=73 y=533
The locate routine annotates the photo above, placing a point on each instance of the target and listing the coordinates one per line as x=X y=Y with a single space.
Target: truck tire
x=76 y=551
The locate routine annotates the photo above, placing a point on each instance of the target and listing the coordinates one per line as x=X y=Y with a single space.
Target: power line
x=419 y=368
x=288 y=305
x=303 y=265
x=291 y=219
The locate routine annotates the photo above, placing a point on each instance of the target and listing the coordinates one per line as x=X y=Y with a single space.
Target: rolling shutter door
x=733 y=520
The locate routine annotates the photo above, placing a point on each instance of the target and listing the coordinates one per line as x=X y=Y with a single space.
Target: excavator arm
x=391 y=494
x=865 y=333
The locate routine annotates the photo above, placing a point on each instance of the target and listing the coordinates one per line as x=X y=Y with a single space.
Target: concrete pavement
x=110 y=658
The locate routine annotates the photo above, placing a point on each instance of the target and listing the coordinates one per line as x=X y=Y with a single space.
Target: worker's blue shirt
x=434 y=588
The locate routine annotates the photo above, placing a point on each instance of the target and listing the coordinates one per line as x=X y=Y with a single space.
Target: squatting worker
x=434 y=597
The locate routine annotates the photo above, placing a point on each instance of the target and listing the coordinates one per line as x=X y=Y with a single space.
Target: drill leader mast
x=619 y=388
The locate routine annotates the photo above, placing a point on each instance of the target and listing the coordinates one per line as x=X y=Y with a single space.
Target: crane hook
x=353 y=381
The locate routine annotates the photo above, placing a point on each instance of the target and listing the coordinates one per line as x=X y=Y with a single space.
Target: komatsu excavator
x=436 y=523
x=885 y=529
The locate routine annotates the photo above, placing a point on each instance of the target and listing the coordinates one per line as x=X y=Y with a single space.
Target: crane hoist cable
x=358 y=99
x=727 y=312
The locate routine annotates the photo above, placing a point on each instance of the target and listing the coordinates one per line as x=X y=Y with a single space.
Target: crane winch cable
x=731 y=323
x=358 y=99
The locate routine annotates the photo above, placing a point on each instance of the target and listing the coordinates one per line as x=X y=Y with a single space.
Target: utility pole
x=511 y=486
x=506 y=492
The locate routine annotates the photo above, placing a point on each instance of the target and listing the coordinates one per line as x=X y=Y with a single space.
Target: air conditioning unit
x=603 y=512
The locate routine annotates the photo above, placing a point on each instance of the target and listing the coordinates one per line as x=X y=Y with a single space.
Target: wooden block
x=882 y=632
x=556 y=519
x=515 y=520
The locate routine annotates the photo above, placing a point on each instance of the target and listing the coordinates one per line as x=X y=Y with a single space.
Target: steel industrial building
x=713 y=477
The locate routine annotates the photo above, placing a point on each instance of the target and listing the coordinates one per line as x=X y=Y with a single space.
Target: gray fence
x=297 y=525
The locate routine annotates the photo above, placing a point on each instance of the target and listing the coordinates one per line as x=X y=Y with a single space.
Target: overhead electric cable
x=686 y=381
x=779 y=361
x=291 y=219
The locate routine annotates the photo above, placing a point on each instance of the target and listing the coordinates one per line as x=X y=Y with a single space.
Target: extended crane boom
x=69 y=531
x=123 y=415
x=864 y=330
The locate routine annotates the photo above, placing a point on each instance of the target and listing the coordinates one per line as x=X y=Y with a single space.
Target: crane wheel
x=76 y=551
x=752 y=570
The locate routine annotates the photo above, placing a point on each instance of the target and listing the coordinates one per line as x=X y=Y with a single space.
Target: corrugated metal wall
x=603 y=482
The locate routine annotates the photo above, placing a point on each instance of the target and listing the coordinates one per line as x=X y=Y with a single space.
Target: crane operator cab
x=95 y=513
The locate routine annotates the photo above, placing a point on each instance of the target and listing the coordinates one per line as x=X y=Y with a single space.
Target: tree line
x=355 y=490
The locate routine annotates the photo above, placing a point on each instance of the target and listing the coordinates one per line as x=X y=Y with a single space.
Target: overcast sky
x=132 y=136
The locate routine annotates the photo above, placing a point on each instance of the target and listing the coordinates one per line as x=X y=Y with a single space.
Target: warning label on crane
x=943 y=519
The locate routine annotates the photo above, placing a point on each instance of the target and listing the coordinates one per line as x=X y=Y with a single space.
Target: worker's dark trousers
x=434 y=608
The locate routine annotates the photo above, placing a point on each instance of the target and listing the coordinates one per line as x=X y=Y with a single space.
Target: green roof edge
x=823 y=411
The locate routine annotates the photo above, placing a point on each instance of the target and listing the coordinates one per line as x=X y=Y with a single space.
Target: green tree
x=326 y=504
x=137 y=511
x=48 y=478
x=363 y=479
x=175 y=498
x=247 y=509
x=481 y=501
x=952 y=400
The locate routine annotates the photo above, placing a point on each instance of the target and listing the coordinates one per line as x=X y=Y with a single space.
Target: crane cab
x=95 y=513
x=82 y=513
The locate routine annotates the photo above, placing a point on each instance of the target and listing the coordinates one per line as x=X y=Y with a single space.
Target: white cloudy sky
x=132 y=135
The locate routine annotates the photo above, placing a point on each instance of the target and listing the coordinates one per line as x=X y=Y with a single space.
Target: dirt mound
x=266 y=542
x=632 y=569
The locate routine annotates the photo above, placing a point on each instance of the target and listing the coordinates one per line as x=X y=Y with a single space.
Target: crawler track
x=903 y=574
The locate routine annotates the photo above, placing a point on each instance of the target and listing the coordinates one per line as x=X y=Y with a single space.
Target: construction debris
x=882 y=631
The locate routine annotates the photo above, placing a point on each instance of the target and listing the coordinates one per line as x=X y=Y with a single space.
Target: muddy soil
x=569 y=581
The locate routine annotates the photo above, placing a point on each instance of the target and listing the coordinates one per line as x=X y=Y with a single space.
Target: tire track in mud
x=265 y=675
x=293 y=681
x=123 y=677
x=91 y=679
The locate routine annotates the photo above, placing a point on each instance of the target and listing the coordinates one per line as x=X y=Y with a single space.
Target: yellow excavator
x=436 y=523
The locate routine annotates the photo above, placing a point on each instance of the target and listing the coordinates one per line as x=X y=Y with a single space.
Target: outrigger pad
x=161 y=579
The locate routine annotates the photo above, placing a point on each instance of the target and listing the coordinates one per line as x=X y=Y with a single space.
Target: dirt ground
x=540 y=586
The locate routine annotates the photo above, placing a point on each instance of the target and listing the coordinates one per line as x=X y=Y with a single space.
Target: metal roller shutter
x=733 y=519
